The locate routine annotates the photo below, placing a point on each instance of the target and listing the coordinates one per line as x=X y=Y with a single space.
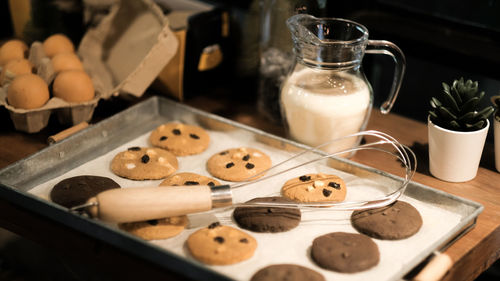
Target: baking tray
x=135 y=123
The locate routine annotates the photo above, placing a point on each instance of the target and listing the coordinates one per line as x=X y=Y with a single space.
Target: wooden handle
x=147 y=203
x=435 y=269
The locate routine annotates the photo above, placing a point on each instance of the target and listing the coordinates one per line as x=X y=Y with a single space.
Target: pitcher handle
x=388 y=48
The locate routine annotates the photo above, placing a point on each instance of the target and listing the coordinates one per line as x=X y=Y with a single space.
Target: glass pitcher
x=326 y=94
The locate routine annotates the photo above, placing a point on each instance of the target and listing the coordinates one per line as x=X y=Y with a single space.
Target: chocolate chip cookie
x=221 y=245
x=315 y=188
x=156 y=229
x=144 y=163
x=189 y=179
x=180 y=139
x=238 y=164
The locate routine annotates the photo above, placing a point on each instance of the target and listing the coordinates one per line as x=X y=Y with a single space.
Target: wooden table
x=471 y=255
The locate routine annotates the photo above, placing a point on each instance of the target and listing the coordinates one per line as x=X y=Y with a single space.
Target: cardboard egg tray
x=122 y=55
x=445 y=216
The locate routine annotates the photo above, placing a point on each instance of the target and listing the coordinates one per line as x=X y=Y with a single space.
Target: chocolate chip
x=334 y=185
x=145 y=159
x=214 y=225
x=269 y=210
x=134 y=148
x=229 y=165
x=191 y=183
x=305 y=178
x=326 y=192
x=244 y=240
x=162 y=138
x=246 y=157
x=193 y=136
x=219 y=239
x=211 y=183
x=176 y=132
x=249 y=166
x=153 y=222
x=224 y=153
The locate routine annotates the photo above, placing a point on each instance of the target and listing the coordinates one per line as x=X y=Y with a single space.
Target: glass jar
x=326 y=95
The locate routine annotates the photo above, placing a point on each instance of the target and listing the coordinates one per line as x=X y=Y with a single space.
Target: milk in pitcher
x=322 y=106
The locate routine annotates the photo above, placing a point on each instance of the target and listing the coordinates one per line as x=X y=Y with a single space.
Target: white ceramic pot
x=497 y=143
x=454 y=156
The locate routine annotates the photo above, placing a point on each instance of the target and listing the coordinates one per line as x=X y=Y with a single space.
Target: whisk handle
x=147 y=203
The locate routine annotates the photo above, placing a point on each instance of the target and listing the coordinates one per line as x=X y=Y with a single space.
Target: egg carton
x=122 y=55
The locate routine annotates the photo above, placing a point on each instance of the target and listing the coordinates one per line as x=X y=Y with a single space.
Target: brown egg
x=66 y=61
x=12 y=49
x=73 y=86
x=28 y=91
x=14 y=68
x=56 y=44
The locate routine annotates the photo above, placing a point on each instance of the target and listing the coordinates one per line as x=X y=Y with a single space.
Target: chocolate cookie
x=77 y=190
x=221 y=245
x=143 y=163
x=180 y=139
x=156 y=229
x=315 y=188
x=238 y=164
x=397 y=221
x=287 y=272
x=188 y=179
x=267 y=219
x=345 y=252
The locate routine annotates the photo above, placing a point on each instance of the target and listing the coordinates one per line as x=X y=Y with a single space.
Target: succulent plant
x=496 y=101
x=457 y=107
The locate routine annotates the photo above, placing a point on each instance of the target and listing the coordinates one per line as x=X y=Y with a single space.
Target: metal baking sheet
x=95 y=145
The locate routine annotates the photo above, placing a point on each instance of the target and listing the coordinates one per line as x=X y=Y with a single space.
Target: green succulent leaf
x=433 y=115
x=476 y=126
x=470 y=104
x=468 y=117
x=453 y=125
x=457 y=107
x=470 y=89
x=446 y=114
x=435 y=103
x=485 y=113
x=450 y=102
x=452 y=92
